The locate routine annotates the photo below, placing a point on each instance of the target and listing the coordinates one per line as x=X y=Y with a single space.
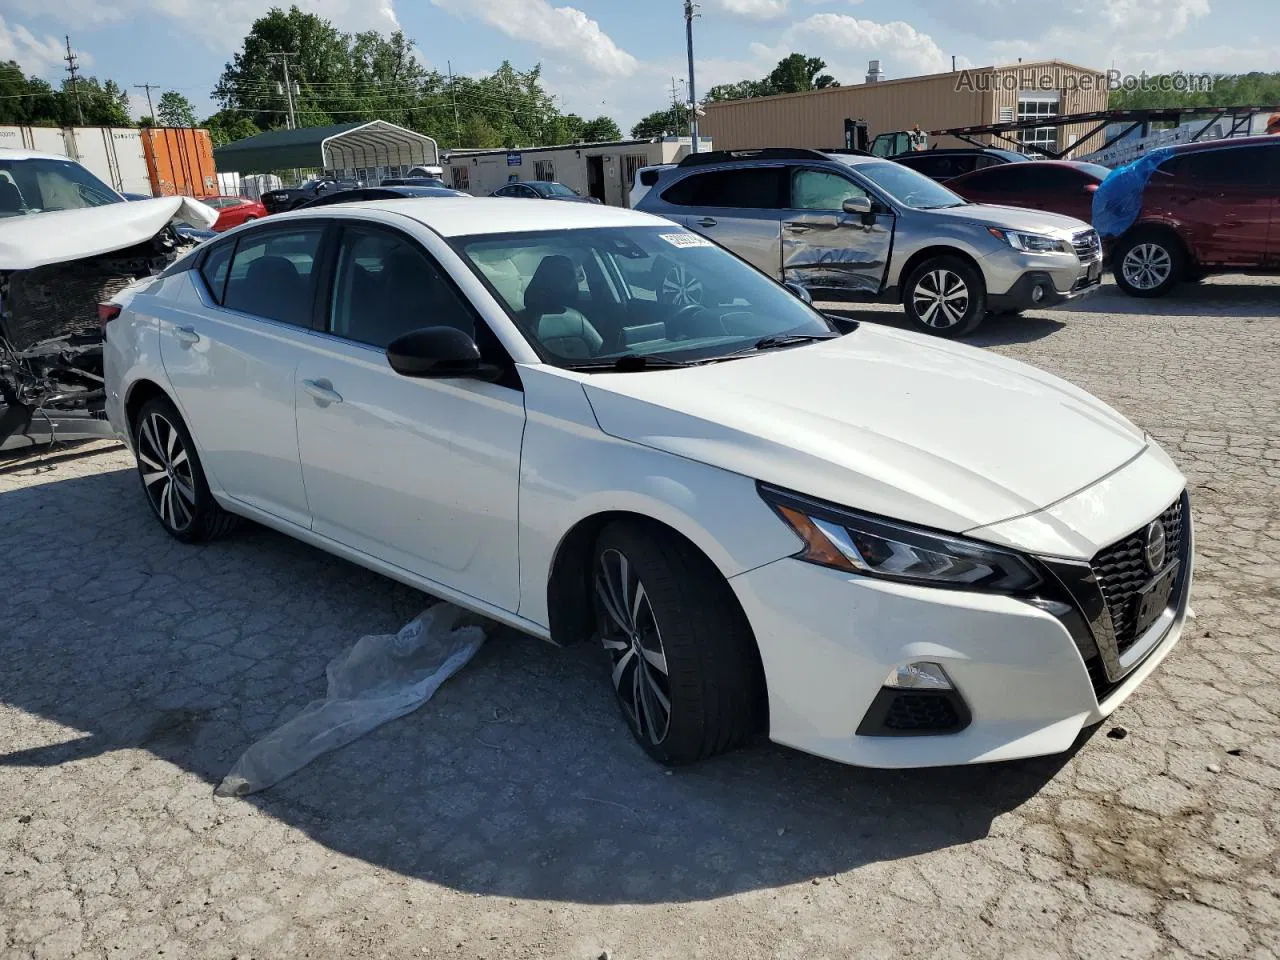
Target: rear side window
x=214 y=269
x=1233 y=166
x=940 y=166
x=758 y=188
x=273 y=275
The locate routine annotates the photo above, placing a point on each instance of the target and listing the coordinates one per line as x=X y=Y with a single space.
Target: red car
x=233 y=211
x=1211 y=207
x=1055 y=186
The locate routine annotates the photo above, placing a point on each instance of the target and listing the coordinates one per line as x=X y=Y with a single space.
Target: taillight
x=107 y=312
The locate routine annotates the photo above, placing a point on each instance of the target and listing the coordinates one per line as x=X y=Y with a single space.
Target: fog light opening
x=921 y=675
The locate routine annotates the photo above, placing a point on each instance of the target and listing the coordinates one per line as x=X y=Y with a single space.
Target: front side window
x=386 y=286
x=273 y=274
x=1232 y=166
x=558 y=190
x=586 y=298
x=909 y=188
x=41 y=185
x=821 y=190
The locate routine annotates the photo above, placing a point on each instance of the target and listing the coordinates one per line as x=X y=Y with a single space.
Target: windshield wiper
x=630 y=362
x=789 y=340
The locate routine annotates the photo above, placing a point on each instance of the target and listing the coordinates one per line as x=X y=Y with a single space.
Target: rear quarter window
x=214 y=270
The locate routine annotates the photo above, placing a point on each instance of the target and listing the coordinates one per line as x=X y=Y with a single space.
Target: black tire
x=960 y=290
x=172 y=479
x=1148 y=263
x=681 y=611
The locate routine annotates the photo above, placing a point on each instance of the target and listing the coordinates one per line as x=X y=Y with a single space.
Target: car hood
x=892 y=423
x=61 y=235
x=1014 y=218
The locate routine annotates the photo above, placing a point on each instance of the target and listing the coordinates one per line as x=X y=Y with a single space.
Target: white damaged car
x=68 y=242
x=870 y=544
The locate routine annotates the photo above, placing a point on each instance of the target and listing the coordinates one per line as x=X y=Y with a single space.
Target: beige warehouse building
x=963 y=98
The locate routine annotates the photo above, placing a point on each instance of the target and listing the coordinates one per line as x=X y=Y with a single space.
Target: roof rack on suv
x=763 y=153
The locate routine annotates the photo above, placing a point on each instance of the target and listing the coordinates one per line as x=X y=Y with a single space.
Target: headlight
x=845 y=540
x=1030 y=242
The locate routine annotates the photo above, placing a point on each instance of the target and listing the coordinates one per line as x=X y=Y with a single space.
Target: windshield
x=1096 y=169
x=909 y=188
x=42 y=185
x=589 y=297
x=557 y=190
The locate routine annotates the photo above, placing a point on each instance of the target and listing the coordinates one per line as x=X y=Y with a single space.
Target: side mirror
x=800 y=292
x=857 y=206
x=439 y=353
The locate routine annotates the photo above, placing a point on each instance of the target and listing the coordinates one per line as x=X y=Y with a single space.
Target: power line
x=147 y=87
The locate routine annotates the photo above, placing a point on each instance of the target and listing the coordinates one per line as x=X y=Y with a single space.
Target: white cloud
x=40 y=56
x=847 y=43
x=1167 y=18
x=565 y=30
x=755 y=9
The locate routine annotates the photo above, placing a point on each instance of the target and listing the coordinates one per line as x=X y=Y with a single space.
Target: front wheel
x=684 y=664
x=1148 y=264
x=172 y=477
x=945 y=296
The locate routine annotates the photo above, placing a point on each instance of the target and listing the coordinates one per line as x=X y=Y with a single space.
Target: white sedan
x=874 y=546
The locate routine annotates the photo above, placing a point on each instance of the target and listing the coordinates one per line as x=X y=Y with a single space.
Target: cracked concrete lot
x=512 y=817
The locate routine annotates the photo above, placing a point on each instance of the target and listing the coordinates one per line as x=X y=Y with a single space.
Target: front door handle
x=798 y=228
x=707 y=222
x=186 y=335
x=323 y=391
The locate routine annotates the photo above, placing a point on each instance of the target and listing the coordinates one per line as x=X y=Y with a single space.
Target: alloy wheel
x=165 y=465
x=941 y=299
x=681 y=288
x=630 y=633
x=1147 y=266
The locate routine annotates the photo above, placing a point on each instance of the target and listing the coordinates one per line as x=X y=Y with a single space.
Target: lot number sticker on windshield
x=686 y=240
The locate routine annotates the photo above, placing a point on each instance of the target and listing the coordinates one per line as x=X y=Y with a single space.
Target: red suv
x=1210 y=208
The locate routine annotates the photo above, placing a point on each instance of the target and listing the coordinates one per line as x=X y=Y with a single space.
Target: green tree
x=673 y=121
x=1223 y=90
x=742 y=90
x=601 y=130
x=176 y=110
x=227 y=126
x=797 y=73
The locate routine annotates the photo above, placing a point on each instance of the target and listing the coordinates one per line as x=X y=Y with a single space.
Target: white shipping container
x=113 y=154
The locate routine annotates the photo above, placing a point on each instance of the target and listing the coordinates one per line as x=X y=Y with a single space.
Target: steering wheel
x=677 y=326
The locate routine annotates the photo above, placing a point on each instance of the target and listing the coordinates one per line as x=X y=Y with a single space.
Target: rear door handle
x=798 y=228
x=186 y=335
x=707 y=222
x=322 y=390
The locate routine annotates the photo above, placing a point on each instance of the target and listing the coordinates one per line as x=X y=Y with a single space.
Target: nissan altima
x=869 y=544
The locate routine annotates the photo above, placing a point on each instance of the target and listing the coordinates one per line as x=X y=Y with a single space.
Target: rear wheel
x=685 y=668
x=1148 y=263
x=172 y=477
x=945 y=296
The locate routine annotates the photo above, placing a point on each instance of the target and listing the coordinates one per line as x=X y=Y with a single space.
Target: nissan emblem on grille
x=1155 y=546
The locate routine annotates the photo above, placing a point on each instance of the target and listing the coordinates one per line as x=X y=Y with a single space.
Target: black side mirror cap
x=439 y=353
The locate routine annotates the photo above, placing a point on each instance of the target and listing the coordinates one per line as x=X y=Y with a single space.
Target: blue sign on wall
x=513 y=160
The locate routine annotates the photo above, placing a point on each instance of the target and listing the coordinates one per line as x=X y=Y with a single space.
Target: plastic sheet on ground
x=1118 y=200
x=379 y=679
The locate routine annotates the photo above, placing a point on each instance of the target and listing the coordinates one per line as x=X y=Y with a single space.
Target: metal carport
x=343 y=146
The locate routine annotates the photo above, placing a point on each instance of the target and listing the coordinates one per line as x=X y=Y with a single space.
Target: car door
x=421 y=474
x=1225 y=201
x=230 y=352
x=740 y=209
x=826 y=249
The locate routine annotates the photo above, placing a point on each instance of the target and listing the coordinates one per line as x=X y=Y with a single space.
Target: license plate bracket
x=1153 y=599
x=1095 y=272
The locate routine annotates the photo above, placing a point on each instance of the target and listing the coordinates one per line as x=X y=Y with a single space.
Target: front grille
x=932 y=712
x=1087 y=245
x=1121 y=571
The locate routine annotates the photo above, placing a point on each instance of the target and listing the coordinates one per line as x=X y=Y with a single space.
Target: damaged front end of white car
x=67 y=244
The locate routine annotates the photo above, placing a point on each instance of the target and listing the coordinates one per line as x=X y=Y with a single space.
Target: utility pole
x=689 y=7
x=72 y=69
x=283 y=58
x=453 y=95
x=147 y=87
x=675 y=109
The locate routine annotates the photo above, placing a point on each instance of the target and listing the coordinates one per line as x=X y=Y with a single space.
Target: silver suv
x=846 y=226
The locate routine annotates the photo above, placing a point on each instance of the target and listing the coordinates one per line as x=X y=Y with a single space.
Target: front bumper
x=1031 y=675
x=1038 y=289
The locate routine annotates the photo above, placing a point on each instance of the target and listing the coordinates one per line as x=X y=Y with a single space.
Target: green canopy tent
x=343 y=146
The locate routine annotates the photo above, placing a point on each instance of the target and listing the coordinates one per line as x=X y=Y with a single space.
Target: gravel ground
x=512 y=817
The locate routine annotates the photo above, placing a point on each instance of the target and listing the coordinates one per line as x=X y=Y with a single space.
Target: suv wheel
x=946 y=297
x=1148 y=264
x=675 y=285
x=172 y=477
x=684 y=663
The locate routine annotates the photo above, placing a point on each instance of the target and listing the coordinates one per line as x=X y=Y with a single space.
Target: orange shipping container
x=180 y=162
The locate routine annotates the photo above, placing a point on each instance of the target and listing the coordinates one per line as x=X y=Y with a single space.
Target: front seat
x=547 y=311
x=272 y=287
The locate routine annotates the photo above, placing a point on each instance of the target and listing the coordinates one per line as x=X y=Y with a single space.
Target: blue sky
x=617 y=57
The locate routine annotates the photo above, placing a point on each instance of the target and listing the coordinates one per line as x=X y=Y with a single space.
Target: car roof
x=19 y=153
x=1200 y=145
x=471 y=216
